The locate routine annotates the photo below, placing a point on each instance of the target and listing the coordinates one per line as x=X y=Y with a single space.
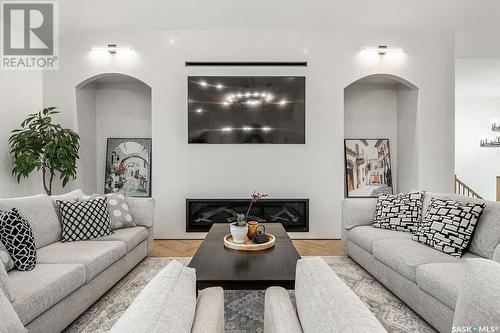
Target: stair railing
x=462 y=189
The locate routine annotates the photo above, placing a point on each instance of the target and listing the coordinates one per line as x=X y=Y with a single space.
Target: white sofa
x=426 y=279
x=69 y=277
x=324 y=304
x=168 y=304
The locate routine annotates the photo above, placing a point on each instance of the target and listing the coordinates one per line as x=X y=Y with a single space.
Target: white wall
x=477 y=167
x=87 y=129
x=122 y=110
x=371 y=113
x=314 y=170
x=20 y=95
x=408 y=142
x=109 y=107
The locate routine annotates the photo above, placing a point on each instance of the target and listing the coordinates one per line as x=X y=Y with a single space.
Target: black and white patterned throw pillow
x=401 y=212
x=17 y=236
x=448 y=225
x=118 y=209
x=84 y=220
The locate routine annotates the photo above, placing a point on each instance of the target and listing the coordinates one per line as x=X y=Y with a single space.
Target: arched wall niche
x=385 y=106
x=109 y=105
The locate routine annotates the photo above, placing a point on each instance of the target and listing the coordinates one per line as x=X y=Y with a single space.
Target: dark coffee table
x=217 y=265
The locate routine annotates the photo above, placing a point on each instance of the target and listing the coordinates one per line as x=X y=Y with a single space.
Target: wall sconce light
x=111 y=48
x=382 y=50
x=495 y=126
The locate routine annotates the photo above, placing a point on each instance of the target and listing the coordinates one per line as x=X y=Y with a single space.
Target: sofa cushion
x=143 y=210
x=364 y=236
x=5 y=284
x=38 y=290
x=443 y=281
x=167 y=303
x=10 y=322
x=405 y=255
x=5 y=258
x=326 y=304
x=401 y=212
x=70 y=196
x=358 y=211
x=96 y=256
x=487 y=234
x=496 y=254
x=130 y=236
x=479 y=303
x=41 y=215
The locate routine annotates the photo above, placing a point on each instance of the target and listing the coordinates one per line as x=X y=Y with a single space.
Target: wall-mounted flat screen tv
x=246 y=109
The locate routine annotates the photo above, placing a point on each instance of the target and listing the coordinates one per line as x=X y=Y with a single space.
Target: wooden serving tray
x=249 y=245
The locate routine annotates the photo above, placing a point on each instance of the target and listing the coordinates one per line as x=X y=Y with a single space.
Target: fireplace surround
x=293 y=214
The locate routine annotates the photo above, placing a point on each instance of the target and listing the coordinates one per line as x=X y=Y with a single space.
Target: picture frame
x=367 y=168
x=128 y=166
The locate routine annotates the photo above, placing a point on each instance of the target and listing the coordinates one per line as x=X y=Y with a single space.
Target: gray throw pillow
x=119 y=211
x=5 y=258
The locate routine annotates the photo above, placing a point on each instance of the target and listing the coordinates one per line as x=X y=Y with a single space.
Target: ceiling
x=475 y=22
x=477 y=78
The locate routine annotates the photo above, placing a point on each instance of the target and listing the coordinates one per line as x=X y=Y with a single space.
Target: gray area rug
x=244 y=310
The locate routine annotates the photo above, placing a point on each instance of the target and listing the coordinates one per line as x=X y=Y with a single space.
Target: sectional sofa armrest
x=478 y=303
x=326 y=304
x=143 y=210
x=209 y=315
x=279 y=313
x=359 y=211
x=9 y=320
x=496 y=254
x=167 y=304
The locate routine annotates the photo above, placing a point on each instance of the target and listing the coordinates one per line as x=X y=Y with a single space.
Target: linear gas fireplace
x=293 y=214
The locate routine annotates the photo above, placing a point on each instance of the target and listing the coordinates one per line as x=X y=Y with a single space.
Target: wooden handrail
x=462 y=189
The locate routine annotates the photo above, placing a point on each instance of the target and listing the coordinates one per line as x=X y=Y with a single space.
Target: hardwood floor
x=188 y=247
x=175 y=247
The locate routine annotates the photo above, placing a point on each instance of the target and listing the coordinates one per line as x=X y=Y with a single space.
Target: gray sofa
x=69 y=277
x=168 y=304
x=427 y=280
x=324 y=304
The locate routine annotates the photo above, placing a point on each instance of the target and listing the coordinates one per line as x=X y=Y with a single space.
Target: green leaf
x=41 y=143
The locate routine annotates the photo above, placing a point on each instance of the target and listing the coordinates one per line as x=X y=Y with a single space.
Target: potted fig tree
x=41 y=145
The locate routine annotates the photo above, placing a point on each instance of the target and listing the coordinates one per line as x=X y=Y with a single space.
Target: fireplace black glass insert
x=293 y=214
